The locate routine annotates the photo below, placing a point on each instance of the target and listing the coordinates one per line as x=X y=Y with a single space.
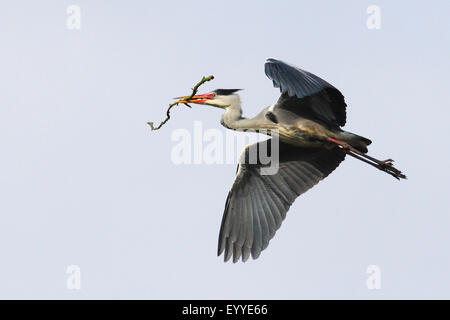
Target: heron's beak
x=200 y=98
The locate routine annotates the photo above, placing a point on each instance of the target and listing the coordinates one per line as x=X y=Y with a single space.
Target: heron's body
x=307 y=118
x=291 y=128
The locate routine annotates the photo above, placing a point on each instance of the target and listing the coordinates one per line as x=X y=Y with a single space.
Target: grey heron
x=308 y=117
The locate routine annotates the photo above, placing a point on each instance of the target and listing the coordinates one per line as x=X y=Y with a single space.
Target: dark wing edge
x=257 y=204
x=312 y=91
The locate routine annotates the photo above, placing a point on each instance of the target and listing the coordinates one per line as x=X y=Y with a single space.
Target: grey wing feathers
x=257 y=204
x=293 y=80
x=305 y=92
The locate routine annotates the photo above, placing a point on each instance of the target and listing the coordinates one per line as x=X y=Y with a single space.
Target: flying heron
x=307 y=117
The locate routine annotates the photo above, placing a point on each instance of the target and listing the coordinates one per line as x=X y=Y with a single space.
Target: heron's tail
x=358 y=142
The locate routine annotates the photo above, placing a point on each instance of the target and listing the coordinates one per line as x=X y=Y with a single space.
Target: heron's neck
x=232 y=118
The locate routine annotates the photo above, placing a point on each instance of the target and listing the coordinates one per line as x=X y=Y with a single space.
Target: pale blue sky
x=83 y=180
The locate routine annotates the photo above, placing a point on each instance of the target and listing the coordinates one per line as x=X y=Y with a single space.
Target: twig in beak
x=194 y=92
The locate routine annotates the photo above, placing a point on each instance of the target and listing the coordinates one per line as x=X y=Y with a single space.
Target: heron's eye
x=213 y=95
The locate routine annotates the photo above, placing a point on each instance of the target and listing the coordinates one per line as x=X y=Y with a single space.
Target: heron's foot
x=388 y=162
x=388 y=167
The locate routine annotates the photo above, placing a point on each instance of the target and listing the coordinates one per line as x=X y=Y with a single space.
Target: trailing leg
x=383 y=165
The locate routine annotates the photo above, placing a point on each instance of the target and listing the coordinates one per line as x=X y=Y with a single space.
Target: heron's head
x=221 y=98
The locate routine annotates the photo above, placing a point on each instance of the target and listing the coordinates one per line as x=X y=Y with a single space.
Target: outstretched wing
x=257 y=204
x=306 y=94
